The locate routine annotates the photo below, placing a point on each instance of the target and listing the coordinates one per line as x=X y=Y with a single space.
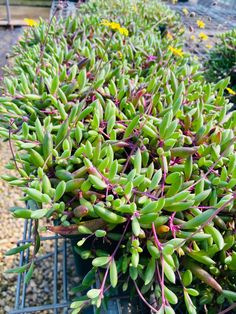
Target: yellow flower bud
x=162 y=229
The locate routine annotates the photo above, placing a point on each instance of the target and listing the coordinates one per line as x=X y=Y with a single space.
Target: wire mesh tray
x=60 y=300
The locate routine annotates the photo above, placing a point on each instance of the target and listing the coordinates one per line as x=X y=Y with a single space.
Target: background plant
x=222 y=59
x=121 y=139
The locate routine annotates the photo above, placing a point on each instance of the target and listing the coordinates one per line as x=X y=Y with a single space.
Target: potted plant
x=121 y=143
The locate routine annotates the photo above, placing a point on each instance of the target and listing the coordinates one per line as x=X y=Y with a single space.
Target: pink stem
x=104 y=282
x=121 y=239
x=158 y=243
x=146 y=193
x=128 y=159
x=111 y=259
x=158 y=273
x=101 y=131
x=144 y=300
x=173 y=228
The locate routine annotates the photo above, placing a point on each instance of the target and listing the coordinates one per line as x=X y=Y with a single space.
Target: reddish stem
x=149 y=195
x=158 y=243
x=104 y=282
x=128 y=159
x=111 y=259
x=144 y=300
x=173 y=227
x=158 y=273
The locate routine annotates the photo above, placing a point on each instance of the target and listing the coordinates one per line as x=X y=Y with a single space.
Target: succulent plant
x=123 y=143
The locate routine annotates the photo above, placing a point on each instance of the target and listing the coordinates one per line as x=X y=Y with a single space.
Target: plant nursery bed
x=120 y=144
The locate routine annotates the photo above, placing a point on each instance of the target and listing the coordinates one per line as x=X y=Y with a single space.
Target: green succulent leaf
x=100 y=261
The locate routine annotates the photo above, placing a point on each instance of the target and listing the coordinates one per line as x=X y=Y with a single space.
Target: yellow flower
x=185 y=11
x=112 y=25
x=174 y=1
x=200 y=24
x=192 y=37
x=176 y=51
x=230 y=91
x=124 y=31
x=105 y=23
x=203 y=36
x=120 y=54
x=208 y=46
x=116 y=27
x=31 y=22
x=169 y=36
x=180 y=251
x=135 y=9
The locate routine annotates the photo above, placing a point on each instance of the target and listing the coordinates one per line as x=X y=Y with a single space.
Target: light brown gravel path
x=40 y=288
x=7 y=39
x=10 y=233
x=10 y=229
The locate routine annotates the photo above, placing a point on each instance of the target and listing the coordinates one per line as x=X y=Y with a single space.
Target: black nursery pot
x=82 y=266
x=119 y=302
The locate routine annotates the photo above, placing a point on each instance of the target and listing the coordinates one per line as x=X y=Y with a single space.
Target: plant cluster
x=221 y=62
x=119 y=139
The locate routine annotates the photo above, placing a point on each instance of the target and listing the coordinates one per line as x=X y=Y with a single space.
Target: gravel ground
x=39 y=290
x=218 y=18
x=10 y=228
x=10 y=233
x=8 y=38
